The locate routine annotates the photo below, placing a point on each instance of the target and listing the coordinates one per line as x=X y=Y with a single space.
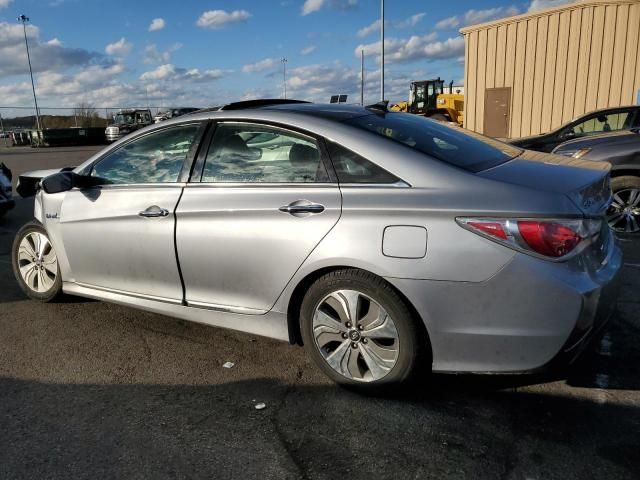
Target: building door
x=497 y=102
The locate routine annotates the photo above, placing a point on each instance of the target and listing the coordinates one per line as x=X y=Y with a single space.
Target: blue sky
x=201 y=53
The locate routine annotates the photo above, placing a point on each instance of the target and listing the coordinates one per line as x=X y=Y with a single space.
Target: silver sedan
x=382 y=242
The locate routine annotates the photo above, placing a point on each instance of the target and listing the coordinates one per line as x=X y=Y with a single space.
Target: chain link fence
x=20 y=126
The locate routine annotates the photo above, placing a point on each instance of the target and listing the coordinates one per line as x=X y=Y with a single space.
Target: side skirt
x=270 y=324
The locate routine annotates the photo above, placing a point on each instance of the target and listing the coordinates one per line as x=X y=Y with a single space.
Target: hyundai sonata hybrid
x=381 y=241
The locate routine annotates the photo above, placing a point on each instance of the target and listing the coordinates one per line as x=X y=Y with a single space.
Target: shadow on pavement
x=306 y=431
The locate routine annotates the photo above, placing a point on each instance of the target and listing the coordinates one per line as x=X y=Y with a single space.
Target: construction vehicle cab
x=428 y=98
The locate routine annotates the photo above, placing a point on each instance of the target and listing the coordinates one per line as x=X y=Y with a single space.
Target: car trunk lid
x=586 y=183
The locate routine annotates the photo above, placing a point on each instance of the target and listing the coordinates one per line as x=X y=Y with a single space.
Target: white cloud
x=448 y=23
x=5 y=3
x=153 y=55
x=171 y=72
x=318 y=82
x=157 y=24
x=374 y=27
x=160 y=73
x=121 y=48
x=412 y=21
x=416 y=47
x=471 y=17
x=311 y=6
x=308 y=50
x=542 y=4
x=369 y=29
x=215 y=19
x=480 y=16
x=261 y=66
x=45 y=56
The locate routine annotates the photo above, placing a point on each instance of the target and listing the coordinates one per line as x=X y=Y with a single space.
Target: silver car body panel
x=221 y=226
x=486 y=307
x=96 y=226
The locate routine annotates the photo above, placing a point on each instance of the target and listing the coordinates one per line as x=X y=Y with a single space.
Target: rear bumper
x=531 y=315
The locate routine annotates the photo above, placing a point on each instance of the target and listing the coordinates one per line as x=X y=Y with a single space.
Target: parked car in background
x=160 y=117
x=6 y=190
x=127 y=121
x=383 y=242
x=592 y=123
x=173 y=113
x=622 y=150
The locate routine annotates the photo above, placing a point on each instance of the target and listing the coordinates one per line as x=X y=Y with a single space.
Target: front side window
x=606 y=122
x=259 y=154
x=154 y=158
x=451 y=144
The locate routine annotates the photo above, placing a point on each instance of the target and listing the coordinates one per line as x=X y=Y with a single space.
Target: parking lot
x=89 y=389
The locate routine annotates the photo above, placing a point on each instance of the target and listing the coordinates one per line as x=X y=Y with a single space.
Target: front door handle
x=298 y=208
x=154 y=211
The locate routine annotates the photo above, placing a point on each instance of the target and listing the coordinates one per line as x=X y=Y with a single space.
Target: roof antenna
x=381 y=106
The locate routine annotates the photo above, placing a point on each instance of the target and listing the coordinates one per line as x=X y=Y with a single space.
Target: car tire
x=623 y=214
x=378 y=345
x=35 y=264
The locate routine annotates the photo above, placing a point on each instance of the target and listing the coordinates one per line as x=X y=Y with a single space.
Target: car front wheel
x=359 y=331
x=35 y=264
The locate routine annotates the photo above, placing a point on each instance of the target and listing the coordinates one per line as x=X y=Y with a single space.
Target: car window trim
x=202 y=124
x=198 y=171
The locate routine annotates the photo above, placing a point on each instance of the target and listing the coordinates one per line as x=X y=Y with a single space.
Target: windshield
x=122 y=118
x=451 y=144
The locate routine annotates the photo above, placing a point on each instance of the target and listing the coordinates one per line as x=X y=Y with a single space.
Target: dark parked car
x=622 y=150
x=6 y=191
x=592 y=123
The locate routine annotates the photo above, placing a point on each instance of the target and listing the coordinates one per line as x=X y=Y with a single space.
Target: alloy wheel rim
x=624 y=213
x=37 y=262
x=355 y=335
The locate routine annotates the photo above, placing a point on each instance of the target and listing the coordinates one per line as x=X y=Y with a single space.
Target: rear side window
x=352 y=168
x=450 y=144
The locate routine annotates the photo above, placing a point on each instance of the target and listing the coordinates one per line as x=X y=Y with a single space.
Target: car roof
x=331 y=111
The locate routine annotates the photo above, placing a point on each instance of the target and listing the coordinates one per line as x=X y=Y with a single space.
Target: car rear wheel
x=359 y=331
x=624 y=213
x=35 y=264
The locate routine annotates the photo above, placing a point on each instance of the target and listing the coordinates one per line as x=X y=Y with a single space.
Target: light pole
x=362 y=77
x=24 y=19
x=382 y=50
x=284 y=76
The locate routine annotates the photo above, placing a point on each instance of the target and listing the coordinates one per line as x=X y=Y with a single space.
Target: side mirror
x=65 y=181
x=568 y=135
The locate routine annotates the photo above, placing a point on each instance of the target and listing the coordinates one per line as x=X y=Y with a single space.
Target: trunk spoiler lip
x=29 y=182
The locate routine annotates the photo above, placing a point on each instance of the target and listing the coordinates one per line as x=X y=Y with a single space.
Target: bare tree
x=86 y=115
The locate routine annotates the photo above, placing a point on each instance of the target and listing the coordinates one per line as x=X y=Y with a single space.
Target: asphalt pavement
x=92 y=390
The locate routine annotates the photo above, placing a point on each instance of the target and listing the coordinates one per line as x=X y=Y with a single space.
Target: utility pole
x=382 y=50
x=4 y=134
x=362 y=77
x=24 y=19
x=284 y=76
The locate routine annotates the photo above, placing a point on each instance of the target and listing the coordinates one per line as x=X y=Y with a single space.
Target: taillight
x=551 y=238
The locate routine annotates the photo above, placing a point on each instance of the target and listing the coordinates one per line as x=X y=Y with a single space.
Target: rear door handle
x=154 y=211
x=296 y=208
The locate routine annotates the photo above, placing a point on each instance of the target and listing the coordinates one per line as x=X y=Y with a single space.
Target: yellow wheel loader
x=428 y=98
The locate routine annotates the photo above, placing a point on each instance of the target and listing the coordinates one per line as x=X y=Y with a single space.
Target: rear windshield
x=454 y=145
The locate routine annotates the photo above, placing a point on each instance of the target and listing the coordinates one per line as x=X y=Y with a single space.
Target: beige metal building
x=531 y=73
